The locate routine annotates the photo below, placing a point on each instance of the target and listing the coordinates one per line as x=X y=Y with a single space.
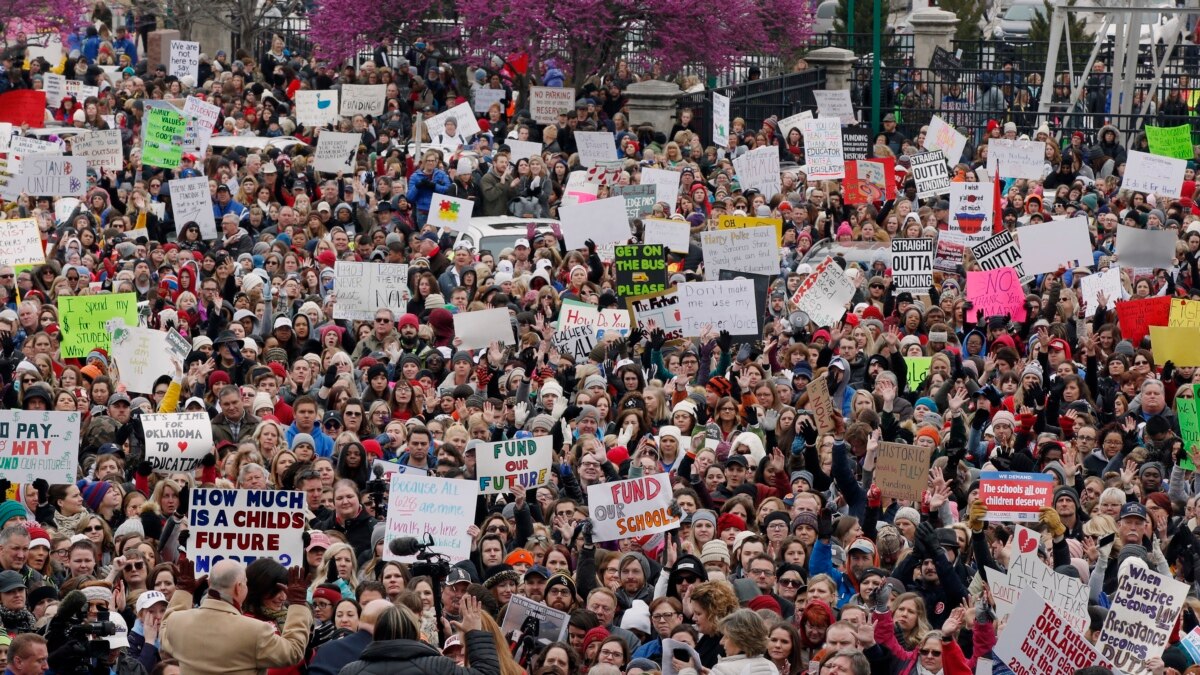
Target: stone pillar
x=158 y=51
x=838 y=64
x=212 y=37
x=653 y=102
x=932 y=28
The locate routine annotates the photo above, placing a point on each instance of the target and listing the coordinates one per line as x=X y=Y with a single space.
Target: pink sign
x=995 y=293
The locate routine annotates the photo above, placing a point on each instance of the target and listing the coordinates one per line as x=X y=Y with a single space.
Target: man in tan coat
x=217 y=638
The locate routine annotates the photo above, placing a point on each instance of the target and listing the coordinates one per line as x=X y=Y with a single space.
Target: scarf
x=65 y=523
x=17 y=620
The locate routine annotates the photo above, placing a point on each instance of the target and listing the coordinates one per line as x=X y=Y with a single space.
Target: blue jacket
x=324 y=444
x=126 y=47
x=232 y=207
x=332 y=656
x=420 y=194
x=821 y=562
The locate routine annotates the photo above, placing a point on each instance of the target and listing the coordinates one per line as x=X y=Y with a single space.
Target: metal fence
x=757 y=100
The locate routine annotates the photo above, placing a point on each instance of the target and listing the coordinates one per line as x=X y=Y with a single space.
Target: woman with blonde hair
x=341 y=557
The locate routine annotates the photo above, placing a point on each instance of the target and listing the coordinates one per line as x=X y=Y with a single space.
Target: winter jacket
x=410 y=657
x=357 y=530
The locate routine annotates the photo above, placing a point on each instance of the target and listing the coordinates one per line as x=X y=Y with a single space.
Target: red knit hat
x=728 y=520
x=930 y=432
x=765 y=602
x=373 y=448
x=325 y=592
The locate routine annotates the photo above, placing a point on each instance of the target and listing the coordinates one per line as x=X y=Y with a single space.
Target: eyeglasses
x=332 y=424
x=351 y=413
x=663 y=616
x=62 y=551
x=6 y=276
x=93 y=528
x=931 y=652
x=324 y=604
x=612 y=653
x=493 y=529
x=761 y=573
x=777 y=525
x=791 y=583
x=728 y=409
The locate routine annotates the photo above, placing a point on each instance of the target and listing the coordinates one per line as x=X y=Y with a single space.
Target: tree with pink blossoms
x=586 y=36
x=22 y=20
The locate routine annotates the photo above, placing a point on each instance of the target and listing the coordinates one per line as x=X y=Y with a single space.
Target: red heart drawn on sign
x=182 y=446
x=1026 y=542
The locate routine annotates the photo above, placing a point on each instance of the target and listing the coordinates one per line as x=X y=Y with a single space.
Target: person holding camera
x=217 y=638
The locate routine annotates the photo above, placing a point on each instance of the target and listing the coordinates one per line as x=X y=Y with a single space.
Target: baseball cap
x=10 y=581
x=318 y=539
x=861 y=546
x=119 y=397
x=119 y=639
x=149 y=599
x=1128 y=509
x=457 y=576
x=537 y=570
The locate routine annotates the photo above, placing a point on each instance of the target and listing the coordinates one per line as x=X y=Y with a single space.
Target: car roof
x=501 y=224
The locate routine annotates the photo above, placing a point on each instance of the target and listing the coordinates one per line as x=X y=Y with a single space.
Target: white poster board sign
x=480 y=328
x=184 y=60
x=1057 y=243
x=835 y=103
x=666 y=184
x=140 y=357
x=824 y=293
x=1154 y=174
x=720 y=120
x=603 y=221
x=443 y=508
x=595 y=147
x=177 y=442
x=361 y=288
x=245 y=525
x=823 y=156
x=21 y=242
x=463 y=117
x=363 y=99
x=336 y=152
x=726 y=305
x=101 y=149
x=759 y=170
x=636 y=507
x=192 y=202
x=674 y=234
x=518 y=464
x=38 y=444
x=547 y=103
x=753 y=250
x=316 y=108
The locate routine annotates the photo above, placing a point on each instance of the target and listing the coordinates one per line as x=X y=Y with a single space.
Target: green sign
x=641 y=269
x=1189 y=424
x=82 y=318
x=162 y=144
x=918 y=370
x=1171 y=141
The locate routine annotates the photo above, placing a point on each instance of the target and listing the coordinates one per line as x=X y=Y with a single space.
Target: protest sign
x=823 y=156
x=53 y=175
x=1141 y=618
x=579 y=189
x=1173 y=142
x=1187 y=411
x=726 y=305
x=101 y=149
x=995 y=292
x=1047 y=246
x=918 y=370
x=1145 y=248
x=762 y=289
x=603 y=221
x=55 y=86
x=21 y=242
x=658 y=310
x=202 y=118
x=1028 y=574
x=28 y=145
x=547 y=103
x=824 y=293
x=856 y=142
x=666 y=183
x=1154 y=174
x=336 y=152
x=1184 y=313
x=870 y=180
x=822 y=405
x=793 y=122
x=178 y=345
x=720 y=120
x=731 y=222
x=462 y=115
x=177 y=442
x=1091 y=286
x=316 y=108
x=443 y=508
x=942 y=136
x=245 y=525
x=39 y=444
x=1040 y=640
x=595 y=147
x=1175 y=344
x=24 y=106
x=138 y=354
x=575 y=341
x=1190 y=642
x=640 y=269
x=639 y=199
x=485 y=98
x=1013 y=496
x=912 y=265
x=971 y=212
x=754 y=250
x=759 y=170
x=576 y=313
x=361 y=288
x=81 y=91
x=529 y=626
x=522 y=149
x=612 y=320
x=631 y=508
x=835 y=103
x=520 y=464
x=82 y=319
x=162 y=142
x=1016 y=159
x=452 y=213
x=930 y=174
x=363 y=99
x=480 y=328
x=184 y=60
x=999 y=251
x=1137 y=316
x=191 y=202
x=902 y=471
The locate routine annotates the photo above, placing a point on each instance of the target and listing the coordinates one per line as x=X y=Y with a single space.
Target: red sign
x=1013 y=496
x=23 y=106
x=1136 y=317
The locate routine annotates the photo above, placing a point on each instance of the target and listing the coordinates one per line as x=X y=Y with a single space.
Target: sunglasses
x=497 y=528
x=791 y=583
x=931 y=652
x=93 y=528
x=135 y=566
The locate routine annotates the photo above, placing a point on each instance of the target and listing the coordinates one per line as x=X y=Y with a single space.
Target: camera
x=378 y=488
x=86 y=651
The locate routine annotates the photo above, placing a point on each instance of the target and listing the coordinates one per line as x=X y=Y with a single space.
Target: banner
x=720 y=120
x=759 y=170
x=162 y=141
x=39 y=444
x=547 y=103
x=1184 y=314
x=101 y=149
x=521 y=464
x=658 y=310
x=930 y=174
x=1057 y=243
x=752 y=250
x=452 y=213
x=824 y=293
x=1136 y=316
x=1173 y=142
x=1012 y=496
x=640 y=269
x=336 y=152
x=1154 y=175
x=999 y=251
x=1141 y=618
x=835 y=103
x=481 y=328
x=995 y=292
x=177 y=442
x=82 y=319
x=363 y=99
x=245 y=525
x=1040 y=640
x=184 y=60
x=138 y=355
x=21 y=242
x=361 y=288
x=823 y=156
x=191 y=202
x=902 y=471
x=1138 y=248
x=631 y=508
x=727 y=305
x=639 y=199
x=912 y=265
x=316 y=108
x=443 y=508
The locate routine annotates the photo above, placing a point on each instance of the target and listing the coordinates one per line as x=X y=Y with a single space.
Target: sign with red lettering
x=1015 y=496
x=1136 y=316
x=521 y=464
x=1037 y=640
x=245 y=525
x=631 y=508
x=177 y=441
x=39 y=444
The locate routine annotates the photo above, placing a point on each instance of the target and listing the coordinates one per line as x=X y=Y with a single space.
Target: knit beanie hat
x=908 y=513
x=93 y=492
x=10 y=510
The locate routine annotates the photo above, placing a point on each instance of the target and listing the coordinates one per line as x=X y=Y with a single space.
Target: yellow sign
x=743 y=222
x=1175 y=344
x=1184 y=314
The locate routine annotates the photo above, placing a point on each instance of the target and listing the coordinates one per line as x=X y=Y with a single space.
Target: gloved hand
x=330 y=377
x=976 y=512
x=297 y=587
x=209 y=461
x=725 y=341
x=585 y=529
x=658 y=338
x=184 y=535
x=769 y=419
x=881 y=598
x=635 y=336
x=520 y=413
x=928 y=538
x=1050 y=518
x=185 y=575
x=145 y=468
x=43 y=490
x=809 y=431
x=560 y=406
x=983 y=611
x=331 y=574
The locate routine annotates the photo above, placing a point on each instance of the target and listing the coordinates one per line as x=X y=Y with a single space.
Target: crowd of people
x=788 y=558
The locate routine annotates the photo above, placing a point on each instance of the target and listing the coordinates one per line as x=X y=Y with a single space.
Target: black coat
x=410 y=657
x=357 y=530
x=334 y=655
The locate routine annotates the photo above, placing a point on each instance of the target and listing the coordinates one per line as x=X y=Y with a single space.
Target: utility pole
x=876 y=62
